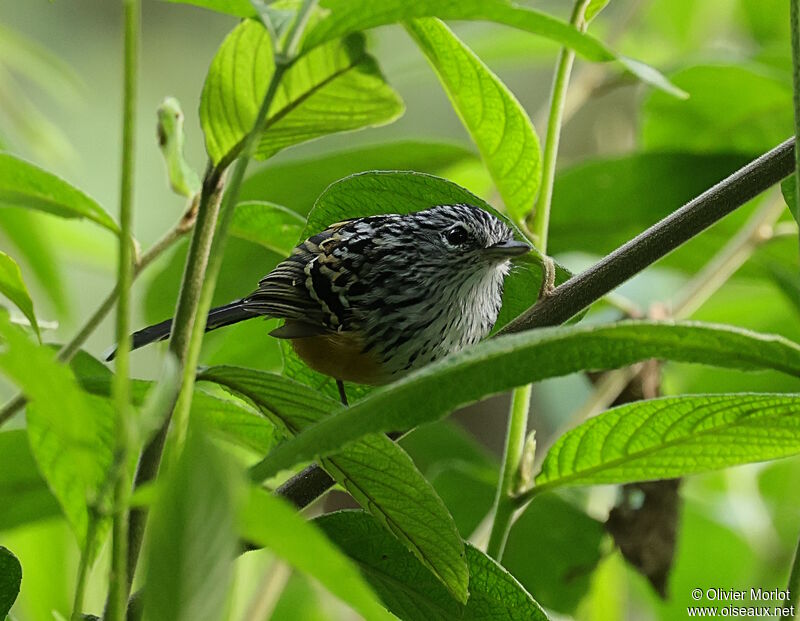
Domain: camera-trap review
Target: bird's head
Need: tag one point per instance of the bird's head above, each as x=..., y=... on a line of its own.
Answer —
x=464, y=237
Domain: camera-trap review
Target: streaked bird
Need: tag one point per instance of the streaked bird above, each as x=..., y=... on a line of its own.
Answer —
x=369, y=299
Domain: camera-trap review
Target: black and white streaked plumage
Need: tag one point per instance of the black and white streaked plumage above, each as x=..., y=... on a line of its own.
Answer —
x=369, y=299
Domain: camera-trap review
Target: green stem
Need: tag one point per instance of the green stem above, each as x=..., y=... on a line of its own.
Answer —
x=197, y=259
x=539, y=223
x=515, y=442
x=83, y=568
x=118, y=580
x=200, y=276
x=282, y=63
x=181, y=412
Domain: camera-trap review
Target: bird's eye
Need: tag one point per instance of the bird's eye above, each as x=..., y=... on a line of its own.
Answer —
x=456, y=235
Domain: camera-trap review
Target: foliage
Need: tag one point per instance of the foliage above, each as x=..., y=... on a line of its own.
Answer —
x=673, y=392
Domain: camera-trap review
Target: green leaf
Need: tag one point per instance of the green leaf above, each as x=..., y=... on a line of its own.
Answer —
x=653, y=77
x=182, y=178
x=40, y=66
x=230, y=420
x=335, y=88
x=376, y=472
x=381, y=192
x=24, y=185
x=461, y=471
x=13, y=287
x=193, y=539
x=10, y=580
x=411, y=592
x=789, y=191
x=289, y=183
x=71, y=436
x=23, y=492
x=730, y=109
x=270, y=225
x=237, y=8
x=672, y=437
x=788, y=281
x=24, y=230
x=270, y=522
x=406, y=504
x=594, y=8
x=234, y=422
x=552, y=550
x=512, y=360
x=494, y=118
x=301, y=600
x=346, y=16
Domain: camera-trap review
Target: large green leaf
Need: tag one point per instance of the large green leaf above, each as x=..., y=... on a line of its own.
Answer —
x=70, y=432
x=193, y=538
x=376, y=471
x=23, y=184
x=731, y=109
x=674, y=436
x=10, y=580
x=381, y=192
x=787, y=280
x=512, y=360
x=333, y=89
x=409, y=590
x=13, y=287
x=288, y=183
x=496, y=121
x=267, y=224
x=346, y=16
x=23, y=492
x=270, y=522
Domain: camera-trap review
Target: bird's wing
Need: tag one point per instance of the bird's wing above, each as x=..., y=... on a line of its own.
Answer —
x=306, y=287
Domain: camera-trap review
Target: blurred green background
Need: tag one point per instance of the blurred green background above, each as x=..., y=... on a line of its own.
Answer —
x=628, y=156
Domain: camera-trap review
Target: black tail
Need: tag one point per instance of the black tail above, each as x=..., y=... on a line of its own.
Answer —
x=217, y=318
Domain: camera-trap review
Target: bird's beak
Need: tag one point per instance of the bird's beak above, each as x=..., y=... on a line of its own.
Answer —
x=508, y=248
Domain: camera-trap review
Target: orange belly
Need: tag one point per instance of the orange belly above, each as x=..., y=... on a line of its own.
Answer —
x=340, y=356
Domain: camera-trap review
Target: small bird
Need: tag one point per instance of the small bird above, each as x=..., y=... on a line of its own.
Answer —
x=369, y=299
